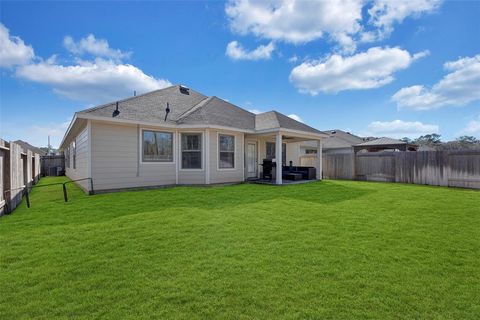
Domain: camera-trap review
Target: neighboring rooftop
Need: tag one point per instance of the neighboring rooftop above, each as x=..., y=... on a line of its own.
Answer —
x=345, y=136
x=382, y=141
x=28, y=146
x=385, y=143
x=337, y=139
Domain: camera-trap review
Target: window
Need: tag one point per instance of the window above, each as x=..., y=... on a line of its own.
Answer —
x=191, y=151
x=270, y=150
x=157, y=146
x=310, y=151
x=67, y=157
x=74, y=153
x=226, y=149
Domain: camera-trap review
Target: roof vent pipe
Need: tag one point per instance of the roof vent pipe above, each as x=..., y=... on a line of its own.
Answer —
x=167, y=111
x=115, y=112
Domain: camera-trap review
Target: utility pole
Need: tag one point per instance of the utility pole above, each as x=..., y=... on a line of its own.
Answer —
x=49, y=147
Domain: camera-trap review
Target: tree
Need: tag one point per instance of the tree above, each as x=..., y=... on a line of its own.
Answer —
x=407, y=140
x=428, y=139
x=467, y=140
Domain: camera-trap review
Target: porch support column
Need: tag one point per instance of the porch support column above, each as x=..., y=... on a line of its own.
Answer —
x=278, y=157
x=319, y=160
x=207, y=156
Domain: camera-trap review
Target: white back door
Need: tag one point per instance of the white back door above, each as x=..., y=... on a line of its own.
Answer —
x=252, y=165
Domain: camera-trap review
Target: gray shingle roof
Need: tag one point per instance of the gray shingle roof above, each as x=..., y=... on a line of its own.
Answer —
x=335, y=143
x=216, y=111
x=28, y=146
x=274, y=119
x=151, y=106
x=194, y=108
x=347, y=137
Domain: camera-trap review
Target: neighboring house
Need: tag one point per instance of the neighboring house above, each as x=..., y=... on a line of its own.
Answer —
x=176, y=136
x=385, y=144
x=338, y=141
x=28, y=146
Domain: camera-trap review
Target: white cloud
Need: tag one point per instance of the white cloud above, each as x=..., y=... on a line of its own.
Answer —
x=459, y=87
x=236, y=51
x=370, y=69
x=295, y=117
x=255, y=111
x=400, y=129
x=384, y=14
x=298, y=21
x=295, y=21
x=472, y=128
x=13, y=51
x=293, y=59
x=93, y=46
x=91, y=81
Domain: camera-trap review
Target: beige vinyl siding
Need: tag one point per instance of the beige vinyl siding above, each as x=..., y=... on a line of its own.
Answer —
x=116, y=155
x=191, y=177
x=81, y=168
x=226, y=175
x=293, y=153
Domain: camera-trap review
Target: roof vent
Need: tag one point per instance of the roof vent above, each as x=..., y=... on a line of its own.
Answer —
x=184, y=89
x=167, y=111
x=116, y=112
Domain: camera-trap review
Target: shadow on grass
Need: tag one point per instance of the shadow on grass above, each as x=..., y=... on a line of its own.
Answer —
x=49, y=203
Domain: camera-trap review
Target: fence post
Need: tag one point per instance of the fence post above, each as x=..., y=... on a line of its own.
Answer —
x=27, y=197
x=65, y=196
x=354, y=163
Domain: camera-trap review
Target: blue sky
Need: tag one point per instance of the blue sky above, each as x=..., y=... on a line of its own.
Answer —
x=369, y=67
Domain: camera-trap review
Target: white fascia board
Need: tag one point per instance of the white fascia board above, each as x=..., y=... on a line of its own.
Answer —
x=299, y=133
x=68, y=130
x=164, y=125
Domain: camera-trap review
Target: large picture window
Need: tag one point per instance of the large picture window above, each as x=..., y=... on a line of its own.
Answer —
x=191, y=151
x=270, y=151
x=157, y=146
x=226, y=148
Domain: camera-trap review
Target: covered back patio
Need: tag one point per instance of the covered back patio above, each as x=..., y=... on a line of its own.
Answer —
x=264, y=152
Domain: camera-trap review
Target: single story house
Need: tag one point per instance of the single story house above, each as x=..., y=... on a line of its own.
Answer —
x=177, y=136
x=385, y=144
x=338, y=141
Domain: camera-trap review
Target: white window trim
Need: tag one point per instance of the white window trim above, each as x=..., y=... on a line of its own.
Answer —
x=202, y=150
x=156, y=162
x=234, y=151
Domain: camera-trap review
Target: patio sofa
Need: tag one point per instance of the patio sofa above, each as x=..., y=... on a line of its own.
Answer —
x=308, y=173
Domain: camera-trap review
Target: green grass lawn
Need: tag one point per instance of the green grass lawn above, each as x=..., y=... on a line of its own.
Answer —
x=323, y=250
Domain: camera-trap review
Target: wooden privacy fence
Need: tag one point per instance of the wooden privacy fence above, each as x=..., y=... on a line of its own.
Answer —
x=19, y=168
x=439, y=168
x=51, y=163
